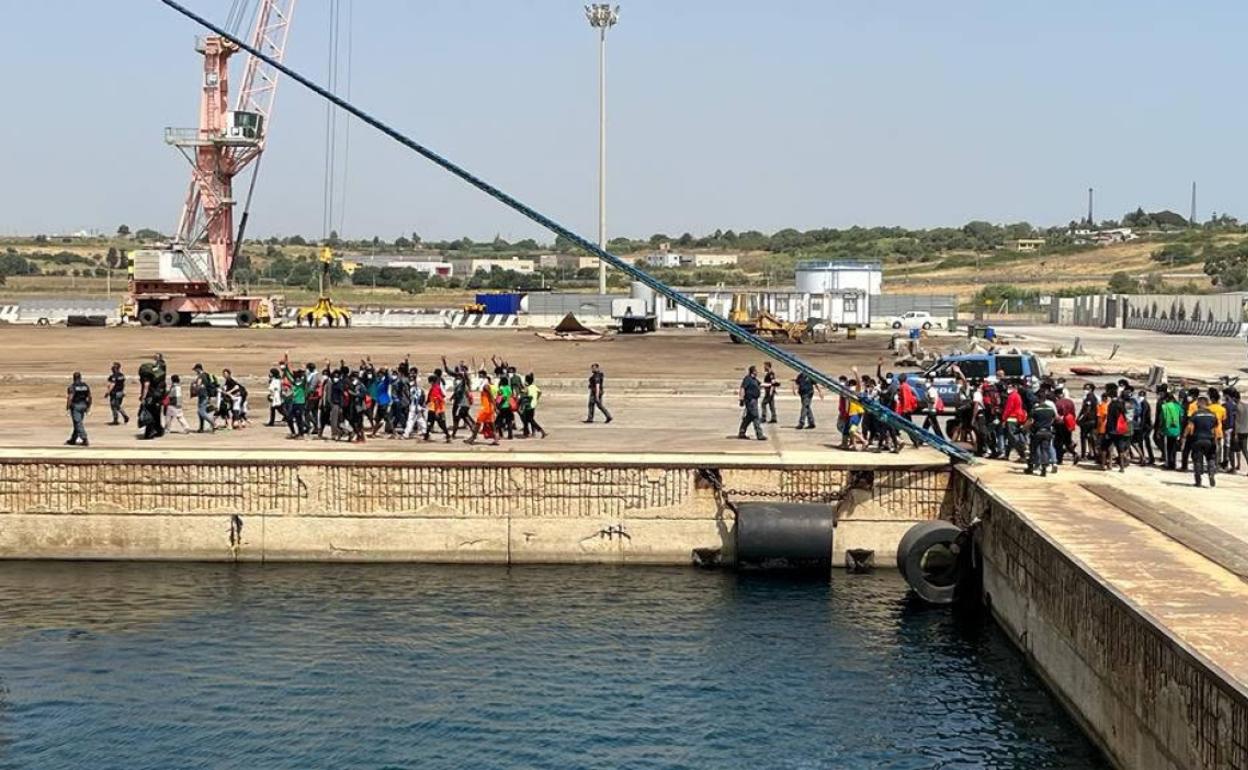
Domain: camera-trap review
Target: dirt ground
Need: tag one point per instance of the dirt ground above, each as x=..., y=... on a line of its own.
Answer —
x=669, y=391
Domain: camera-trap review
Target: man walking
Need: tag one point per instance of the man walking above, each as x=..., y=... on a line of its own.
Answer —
x=747, y=396
x=117, y=394
x=204, y=388
x=596, y=378
x=770, y=384
x=153, y=389
x=78, y=403
x=805, y=387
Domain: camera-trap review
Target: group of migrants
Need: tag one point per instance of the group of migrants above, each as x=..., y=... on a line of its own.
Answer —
x=347, y=403
x=1034, y=419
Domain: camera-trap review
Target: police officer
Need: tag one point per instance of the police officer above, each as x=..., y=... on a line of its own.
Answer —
x=78, y=403
x=117, y=394
x=596, y=378
x=770, y=384
x=1203, y=433
x=747, y=396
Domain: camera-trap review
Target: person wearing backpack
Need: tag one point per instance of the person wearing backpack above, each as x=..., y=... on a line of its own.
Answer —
x=204, y=388
x=1117, y=427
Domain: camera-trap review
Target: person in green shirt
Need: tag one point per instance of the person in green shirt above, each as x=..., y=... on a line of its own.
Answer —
x=1171, y=427
x=528, y=407
x=505, y=421
x=298, y=399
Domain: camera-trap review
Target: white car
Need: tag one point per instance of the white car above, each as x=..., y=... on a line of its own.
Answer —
x=915, y=319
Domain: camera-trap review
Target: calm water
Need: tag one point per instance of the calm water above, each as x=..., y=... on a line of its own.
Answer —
x=183, y=666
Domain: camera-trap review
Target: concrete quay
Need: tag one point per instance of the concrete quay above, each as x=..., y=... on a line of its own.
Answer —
x=1127, y=593
x=436, y=506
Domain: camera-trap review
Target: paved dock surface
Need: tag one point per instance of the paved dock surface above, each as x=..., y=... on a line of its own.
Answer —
x=1193, y=597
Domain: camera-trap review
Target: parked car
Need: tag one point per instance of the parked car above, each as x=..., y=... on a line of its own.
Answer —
x=914, y=319
x=975, y=367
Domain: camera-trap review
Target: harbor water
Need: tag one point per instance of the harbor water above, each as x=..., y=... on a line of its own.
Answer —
x=112, y=665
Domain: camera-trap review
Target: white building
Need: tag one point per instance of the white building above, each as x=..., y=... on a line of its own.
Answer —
x=571, y=262
x=818, y=276
x=428, y=267
x=661, y=259
x=708, y=260
x=467, y=267
x=842, y=308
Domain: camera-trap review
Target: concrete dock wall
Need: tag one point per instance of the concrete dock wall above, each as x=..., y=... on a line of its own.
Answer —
x=418, y=506
x=1149, y=699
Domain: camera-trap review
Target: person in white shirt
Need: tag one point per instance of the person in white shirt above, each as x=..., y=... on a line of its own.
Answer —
x=173, y=410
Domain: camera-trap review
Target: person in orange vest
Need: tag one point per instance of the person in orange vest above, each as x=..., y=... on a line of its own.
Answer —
x=485, y=413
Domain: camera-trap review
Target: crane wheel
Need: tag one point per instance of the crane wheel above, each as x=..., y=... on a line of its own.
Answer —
x=169, y=318
x=245, y=318
x=149, y=316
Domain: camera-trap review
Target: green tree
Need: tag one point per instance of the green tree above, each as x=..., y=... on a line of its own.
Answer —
x=148, y=234
x=1121, y=283
x=123, y=230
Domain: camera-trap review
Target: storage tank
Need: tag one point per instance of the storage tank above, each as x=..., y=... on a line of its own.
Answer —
x=820, y=276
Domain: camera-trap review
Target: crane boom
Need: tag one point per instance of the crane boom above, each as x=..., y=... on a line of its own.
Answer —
x=227, y=141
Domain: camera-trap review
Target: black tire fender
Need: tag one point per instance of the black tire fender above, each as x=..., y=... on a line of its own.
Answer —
x=929, y=558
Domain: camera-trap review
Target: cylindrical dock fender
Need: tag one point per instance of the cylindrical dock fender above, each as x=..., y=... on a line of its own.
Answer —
x=930, y=558
x=784, y=535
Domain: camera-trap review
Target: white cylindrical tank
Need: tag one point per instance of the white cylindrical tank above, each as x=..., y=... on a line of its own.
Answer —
x=820, y=276
x=638, y=290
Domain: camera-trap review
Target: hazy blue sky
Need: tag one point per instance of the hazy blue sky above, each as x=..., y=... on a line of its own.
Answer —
x=729, y=114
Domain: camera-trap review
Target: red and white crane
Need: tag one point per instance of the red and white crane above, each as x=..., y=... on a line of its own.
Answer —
x=192, y=276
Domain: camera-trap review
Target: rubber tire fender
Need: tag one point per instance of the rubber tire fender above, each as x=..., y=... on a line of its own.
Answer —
x=245, y=318
x=917, y=541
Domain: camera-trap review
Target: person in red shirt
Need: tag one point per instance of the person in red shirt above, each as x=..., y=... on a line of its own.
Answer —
x=435, y=401
x=1064, y=434
x=1013, y=416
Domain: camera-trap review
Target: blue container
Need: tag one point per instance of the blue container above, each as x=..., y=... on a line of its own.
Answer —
x=500, y=304
x=914, y=334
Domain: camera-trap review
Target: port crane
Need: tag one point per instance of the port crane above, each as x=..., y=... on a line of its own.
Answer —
x=192, y=275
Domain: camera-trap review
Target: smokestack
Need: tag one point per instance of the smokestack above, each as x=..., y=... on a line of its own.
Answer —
x=1192, y=219
x=1091, y=221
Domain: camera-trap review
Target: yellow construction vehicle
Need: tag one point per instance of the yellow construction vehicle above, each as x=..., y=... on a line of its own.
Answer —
x=324, y=312
x=766, y=324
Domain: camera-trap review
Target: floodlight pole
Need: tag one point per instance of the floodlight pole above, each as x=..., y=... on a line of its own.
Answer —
x=602, y=17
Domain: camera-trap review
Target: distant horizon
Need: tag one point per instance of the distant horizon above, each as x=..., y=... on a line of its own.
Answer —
x=807, y=116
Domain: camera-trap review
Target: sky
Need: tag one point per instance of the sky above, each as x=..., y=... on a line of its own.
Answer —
x=734, y=114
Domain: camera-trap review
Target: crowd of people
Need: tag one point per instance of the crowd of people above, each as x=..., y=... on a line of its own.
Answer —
x=338, y=402
x=1035, y=420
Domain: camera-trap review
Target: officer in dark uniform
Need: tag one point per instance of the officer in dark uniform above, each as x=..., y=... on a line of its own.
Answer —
x=78, y=403
x=596, y=380
x=152, y=379
x=748, y=395
x=117, y=394
x=1204, y=433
